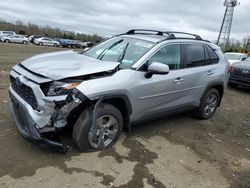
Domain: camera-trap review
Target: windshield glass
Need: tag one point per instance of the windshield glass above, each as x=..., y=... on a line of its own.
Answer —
x=120, y=49
x=248, y=47
x=233, y=57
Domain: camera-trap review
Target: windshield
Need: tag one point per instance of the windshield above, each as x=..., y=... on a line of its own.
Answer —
x=127, y=51
x=233, y=57
x=248, y=47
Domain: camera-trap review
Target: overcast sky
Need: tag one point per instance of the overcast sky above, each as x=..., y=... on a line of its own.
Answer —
x=106, y=17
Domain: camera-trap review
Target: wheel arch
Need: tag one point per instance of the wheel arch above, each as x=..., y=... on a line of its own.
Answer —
x=219, y=86
x=123, y=104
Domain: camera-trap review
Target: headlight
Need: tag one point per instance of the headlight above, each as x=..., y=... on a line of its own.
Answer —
x=61, y=88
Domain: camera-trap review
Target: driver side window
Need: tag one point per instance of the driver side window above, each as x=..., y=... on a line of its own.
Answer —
x=169, y=55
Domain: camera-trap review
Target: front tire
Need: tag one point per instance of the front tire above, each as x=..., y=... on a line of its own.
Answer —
x=7, y=41
x=40, y=44
x=109, y=127
x=209, y=104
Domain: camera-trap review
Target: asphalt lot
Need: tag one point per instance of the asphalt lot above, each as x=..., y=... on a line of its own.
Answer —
x=178, y=151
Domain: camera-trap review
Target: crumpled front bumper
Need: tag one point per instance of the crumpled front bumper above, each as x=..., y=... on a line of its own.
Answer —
x=27, y=127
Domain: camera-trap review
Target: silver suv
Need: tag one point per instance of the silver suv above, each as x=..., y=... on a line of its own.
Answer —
x=127, y=79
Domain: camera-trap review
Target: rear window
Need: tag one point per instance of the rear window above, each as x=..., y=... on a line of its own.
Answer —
x=248, y=47
x=9, y=33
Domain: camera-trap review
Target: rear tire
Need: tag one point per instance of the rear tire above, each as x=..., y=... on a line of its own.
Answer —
x=209, y=104
x=40, y=44
x=7, y=41
x=82, y=134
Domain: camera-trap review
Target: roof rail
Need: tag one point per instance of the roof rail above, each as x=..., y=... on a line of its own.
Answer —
x=143, y=31
x=170, y=34
x=197, y=37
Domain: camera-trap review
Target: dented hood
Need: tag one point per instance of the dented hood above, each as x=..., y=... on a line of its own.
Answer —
x=65, y=64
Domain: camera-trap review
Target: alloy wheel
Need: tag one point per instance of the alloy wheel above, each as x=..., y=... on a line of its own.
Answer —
x=211, y=104
x=107, y=129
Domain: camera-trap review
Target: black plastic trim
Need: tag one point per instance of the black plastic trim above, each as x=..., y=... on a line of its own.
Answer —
x=212, y=85
x=122, y=96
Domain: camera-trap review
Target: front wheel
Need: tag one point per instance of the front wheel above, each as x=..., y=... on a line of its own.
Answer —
x=209, y=104
x=7, y=41
x=108, y=129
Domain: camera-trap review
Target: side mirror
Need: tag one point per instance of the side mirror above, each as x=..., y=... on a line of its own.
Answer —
x=156, y=68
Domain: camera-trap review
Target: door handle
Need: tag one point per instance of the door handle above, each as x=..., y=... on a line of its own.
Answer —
x=209, y=73
x=178, y=80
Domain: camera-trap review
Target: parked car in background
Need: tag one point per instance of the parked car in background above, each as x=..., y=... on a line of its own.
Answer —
x=5, y=33
x=15, y=39
x=68, y=43
x=234, y=57
x=89, y=44
x=240, y=74
x=33, y=37
x=81, y=44
x=45, y=41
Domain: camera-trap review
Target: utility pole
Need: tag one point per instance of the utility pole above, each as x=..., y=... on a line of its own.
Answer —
x=225, y=30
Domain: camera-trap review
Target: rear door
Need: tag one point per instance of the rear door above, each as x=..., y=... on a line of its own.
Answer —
x=11, y=38
x=200, y=70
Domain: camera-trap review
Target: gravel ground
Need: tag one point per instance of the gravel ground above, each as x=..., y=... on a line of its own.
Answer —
x=178, y=151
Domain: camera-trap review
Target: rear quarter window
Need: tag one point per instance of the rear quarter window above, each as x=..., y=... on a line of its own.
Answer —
x=214, y=58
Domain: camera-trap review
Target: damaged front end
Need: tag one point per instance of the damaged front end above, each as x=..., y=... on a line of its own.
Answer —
x=44, y=98
x=41, y=113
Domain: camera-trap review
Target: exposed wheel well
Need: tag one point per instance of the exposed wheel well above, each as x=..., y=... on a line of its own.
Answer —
x=121, y=105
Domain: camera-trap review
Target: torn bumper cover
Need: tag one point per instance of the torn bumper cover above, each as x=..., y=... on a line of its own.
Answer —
x=28, y=128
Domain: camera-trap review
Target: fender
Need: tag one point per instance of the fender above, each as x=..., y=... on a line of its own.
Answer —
x=128, y=111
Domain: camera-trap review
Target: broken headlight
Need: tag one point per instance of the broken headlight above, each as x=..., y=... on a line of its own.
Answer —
x=61, y=88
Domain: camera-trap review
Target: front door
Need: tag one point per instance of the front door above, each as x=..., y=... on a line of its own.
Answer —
x=160, y=93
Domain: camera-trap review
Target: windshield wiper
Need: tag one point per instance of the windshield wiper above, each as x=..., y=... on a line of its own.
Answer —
x=121, y=57
x=108, y=48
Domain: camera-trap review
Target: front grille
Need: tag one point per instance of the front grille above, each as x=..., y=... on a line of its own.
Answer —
x=25, y=92
x=243, y=73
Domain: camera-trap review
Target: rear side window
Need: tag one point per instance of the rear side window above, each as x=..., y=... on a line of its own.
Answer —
x=195, y=55
x=9, y=33
x=213, y=57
